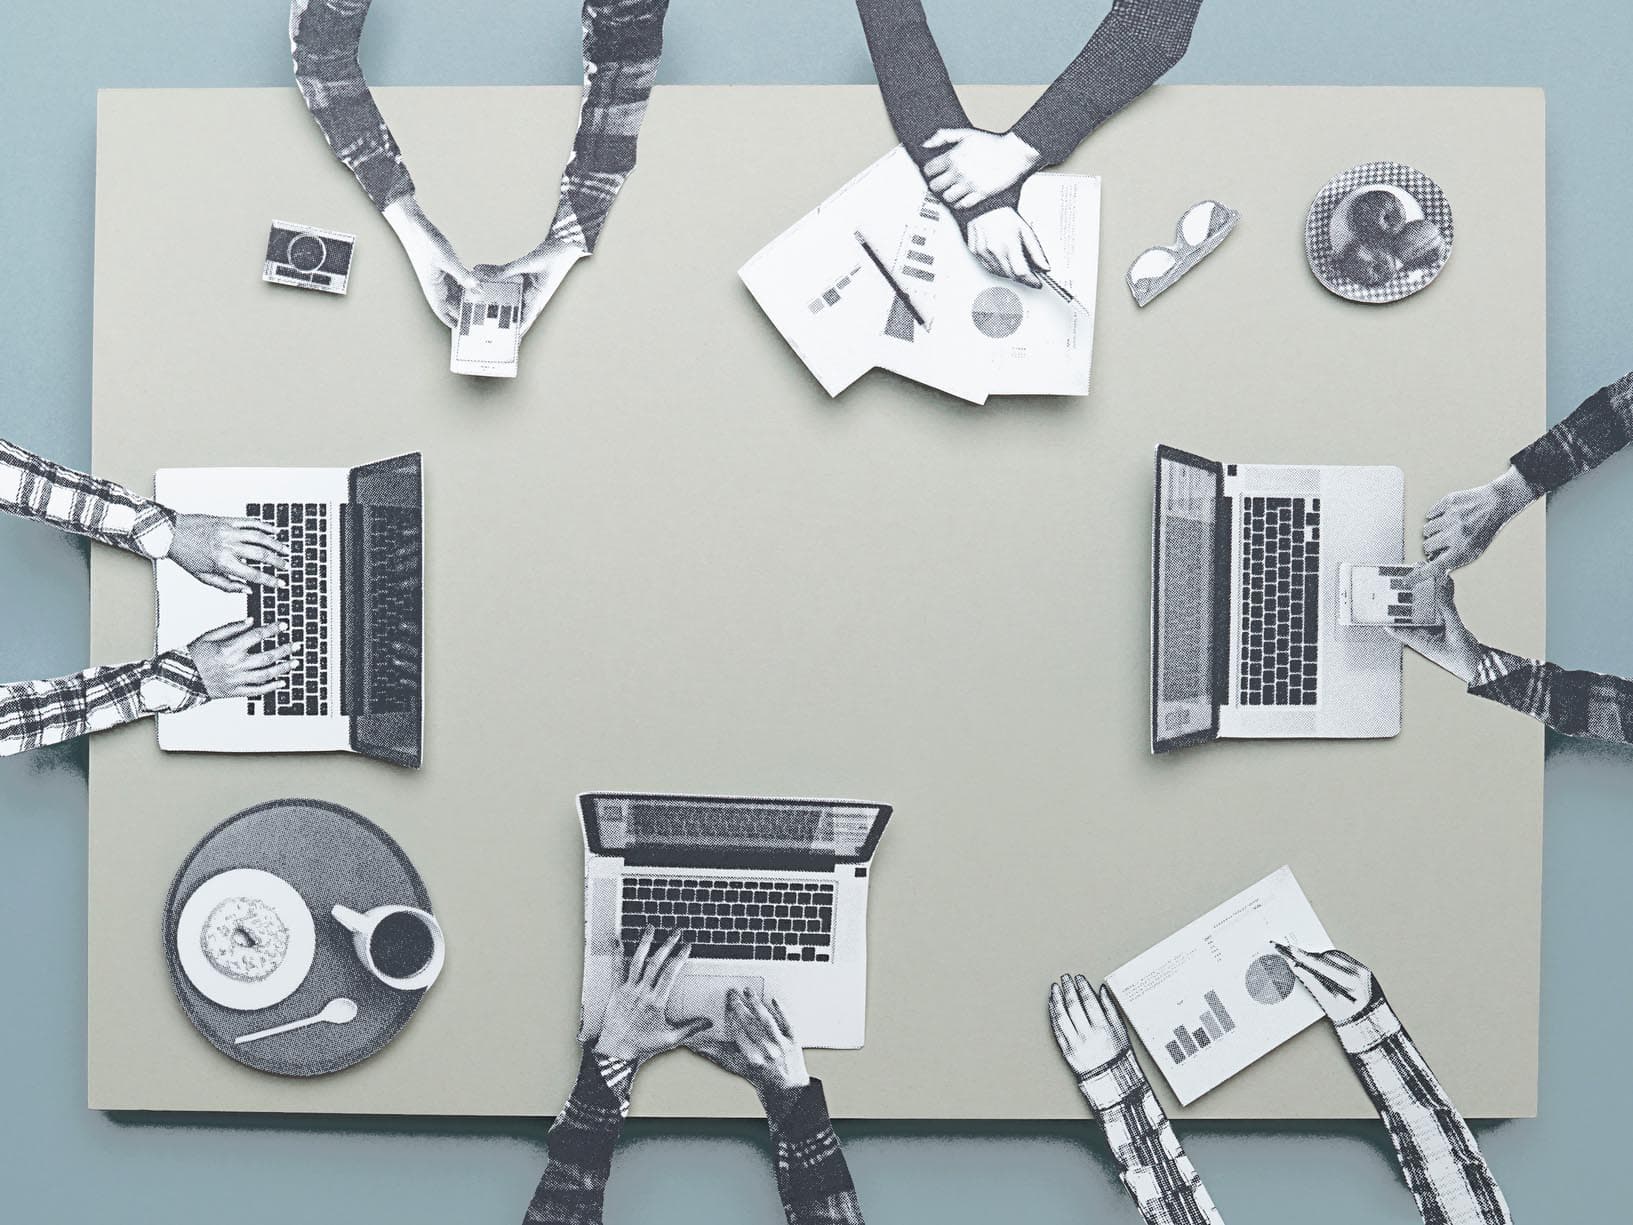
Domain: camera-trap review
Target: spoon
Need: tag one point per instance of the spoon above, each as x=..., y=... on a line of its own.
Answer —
x=335, y=1012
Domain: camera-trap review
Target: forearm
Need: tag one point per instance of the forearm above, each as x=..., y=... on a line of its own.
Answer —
x=38, y=713
x=623, y=45
x=1596, y=429
x=1575, y=703
x=1438, y=1157
x=1152, y=1165
x=37, y=488
x=324, y=36
x=918, y=94
x=581, y=1140
x=1137, y=43
x=812, y=1177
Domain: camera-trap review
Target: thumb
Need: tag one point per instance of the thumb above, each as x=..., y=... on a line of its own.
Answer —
x=231, y=630
x=942, y=137
x=1034, y=248
x=692, y=1028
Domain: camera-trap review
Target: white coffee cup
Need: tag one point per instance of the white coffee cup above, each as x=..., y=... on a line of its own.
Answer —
x=363, y=928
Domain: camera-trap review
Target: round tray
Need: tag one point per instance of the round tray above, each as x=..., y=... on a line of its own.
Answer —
x=328, y=854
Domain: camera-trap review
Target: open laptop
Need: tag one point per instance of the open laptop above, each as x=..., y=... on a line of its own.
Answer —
x=771, y=893
x=1245, y=640
x=353, y=604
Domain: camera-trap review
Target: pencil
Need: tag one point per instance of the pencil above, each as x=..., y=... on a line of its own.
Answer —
x=1060, y=289
x=894, y=284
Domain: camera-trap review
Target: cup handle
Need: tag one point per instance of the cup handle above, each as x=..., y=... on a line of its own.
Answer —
x=349, y=918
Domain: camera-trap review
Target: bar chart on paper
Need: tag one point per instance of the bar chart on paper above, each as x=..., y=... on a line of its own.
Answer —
x=1216, y=1023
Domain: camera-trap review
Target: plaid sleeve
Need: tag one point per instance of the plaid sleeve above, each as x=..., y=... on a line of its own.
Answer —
x=623, y=42
x=581, y=1144
x=1138, y=42
x=1155, y=1169
x=36, y=713
x=36, y=488
x=1444, y=1169
x=1599, y=427
x=1576, y=703
x=812, y=1177
x=323, y=39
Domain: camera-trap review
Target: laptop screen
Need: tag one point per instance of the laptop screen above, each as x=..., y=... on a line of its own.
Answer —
x=1185, y=519
x=725, y=830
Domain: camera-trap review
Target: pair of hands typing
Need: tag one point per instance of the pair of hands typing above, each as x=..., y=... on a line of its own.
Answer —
x=1090, y=1032
x=757, y=1045
x=443, y=277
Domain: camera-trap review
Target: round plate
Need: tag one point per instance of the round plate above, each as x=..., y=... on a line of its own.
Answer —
x=1328, y=233
x=327, y=854
x=231, y=992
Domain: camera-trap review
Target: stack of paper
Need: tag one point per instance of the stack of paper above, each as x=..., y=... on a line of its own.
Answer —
x=981, y=334
x=1215, y=996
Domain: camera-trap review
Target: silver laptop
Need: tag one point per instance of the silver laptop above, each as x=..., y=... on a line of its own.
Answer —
x=772, y=895
x=1245, y=640
x=353, y=603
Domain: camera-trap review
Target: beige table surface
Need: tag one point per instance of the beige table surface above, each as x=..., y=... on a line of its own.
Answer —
x=663, y=559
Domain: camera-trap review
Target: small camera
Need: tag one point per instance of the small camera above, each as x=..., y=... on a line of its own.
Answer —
x=307, y=257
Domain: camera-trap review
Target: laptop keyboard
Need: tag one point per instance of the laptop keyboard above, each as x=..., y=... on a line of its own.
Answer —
x=749, y=920
x=303, y=605
x=1281, y=610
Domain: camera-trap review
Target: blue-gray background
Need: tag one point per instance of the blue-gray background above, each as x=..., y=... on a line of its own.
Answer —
x=61, y=1162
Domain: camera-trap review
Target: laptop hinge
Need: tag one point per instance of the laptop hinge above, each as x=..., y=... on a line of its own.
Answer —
x=1223, y=599
x=698, y=857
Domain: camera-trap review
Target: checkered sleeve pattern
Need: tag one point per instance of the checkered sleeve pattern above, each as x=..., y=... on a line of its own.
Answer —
x=1154, y=1167
x=582, y=1138
x=812, y=1177
x=324, y=36
x=36, y=488
x=623, y=42
x=1599, y=427
x=1444, y=1169
x=1575, y=703
x=36, y=713
x=1136, y=43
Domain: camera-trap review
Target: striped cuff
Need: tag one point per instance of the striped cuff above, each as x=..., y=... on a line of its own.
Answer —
x=1372, y=1026
x=173, y=683
x=618, y=1075
x=1113, y=1082
x=153, y=531
x=1493, y=666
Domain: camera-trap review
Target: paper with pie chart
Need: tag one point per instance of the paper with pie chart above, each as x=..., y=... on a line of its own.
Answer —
x=1216, y=996
x=931, y=313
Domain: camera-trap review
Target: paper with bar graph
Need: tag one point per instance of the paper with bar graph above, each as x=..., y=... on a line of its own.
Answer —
x=1216, y=996
x=927, y=310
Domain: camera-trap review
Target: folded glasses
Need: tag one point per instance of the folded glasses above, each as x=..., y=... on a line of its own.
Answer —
x=1202, y=228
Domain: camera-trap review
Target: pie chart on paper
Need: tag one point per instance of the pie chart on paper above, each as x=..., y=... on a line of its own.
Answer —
x=997, y=312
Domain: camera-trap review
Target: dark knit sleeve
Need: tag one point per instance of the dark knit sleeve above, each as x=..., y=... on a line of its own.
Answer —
x=1599, y=427
x=1138, y=42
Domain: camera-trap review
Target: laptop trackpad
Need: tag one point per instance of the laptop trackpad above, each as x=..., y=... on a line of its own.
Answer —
x=704, y=995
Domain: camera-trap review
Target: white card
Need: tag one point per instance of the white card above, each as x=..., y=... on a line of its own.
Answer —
x=1216, y=996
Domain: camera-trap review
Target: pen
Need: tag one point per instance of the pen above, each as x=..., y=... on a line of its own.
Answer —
x=894, y=284
x=1060, y=289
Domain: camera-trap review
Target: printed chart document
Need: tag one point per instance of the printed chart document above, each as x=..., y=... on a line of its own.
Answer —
x=1215, y=996
x=953, y=325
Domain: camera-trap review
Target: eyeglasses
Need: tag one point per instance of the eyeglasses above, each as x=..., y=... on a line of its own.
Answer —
x=1202, y=228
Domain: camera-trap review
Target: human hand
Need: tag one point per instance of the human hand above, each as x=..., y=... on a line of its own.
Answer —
x=976, y=165
x=1341, y=985
x=1006, y=246
x=636, y=1024
x=758, y=1045
x=230, y=666
x=227, y=553
x=1088, y=1028
x=1450, y=645
x=542, y=270
x=1458, y=528
x=443, y=278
